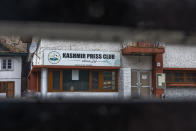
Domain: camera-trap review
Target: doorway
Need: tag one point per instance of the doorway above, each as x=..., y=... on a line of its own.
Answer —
x=141, y=83
x=7, y=88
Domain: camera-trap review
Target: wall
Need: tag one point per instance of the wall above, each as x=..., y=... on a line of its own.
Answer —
x=72, y=45
x=134, y=62
x=179, y=56
x=180, y=93
x=13, y=75
x=125, y=82
x=137, y=62
x=100, y=95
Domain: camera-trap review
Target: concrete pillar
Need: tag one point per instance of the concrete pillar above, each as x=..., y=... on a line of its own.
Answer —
x=44, y=82
x=125, y=80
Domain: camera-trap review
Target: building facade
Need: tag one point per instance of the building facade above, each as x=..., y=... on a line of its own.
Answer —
x=96, y=69
x=12, y=59
x=112, y=70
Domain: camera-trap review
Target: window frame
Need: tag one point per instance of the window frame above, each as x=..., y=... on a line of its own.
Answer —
x=100, y=81
x=185, y=83
x=7, y=69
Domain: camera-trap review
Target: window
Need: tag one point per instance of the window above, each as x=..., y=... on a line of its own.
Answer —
x=84, y=80
x=109, y=80
x=191, y=77
x=56, y=80
x=181, y=78
x=3, y=86
x=7, y=64
x=70, y=84
x=95, y=80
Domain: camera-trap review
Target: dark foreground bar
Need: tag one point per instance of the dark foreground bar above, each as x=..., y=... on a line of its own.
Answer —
x=98, y=116
x=150, y=14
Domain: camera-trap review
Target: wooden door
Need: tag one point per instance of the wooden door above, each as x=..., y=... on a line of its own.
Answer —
x=10, y=89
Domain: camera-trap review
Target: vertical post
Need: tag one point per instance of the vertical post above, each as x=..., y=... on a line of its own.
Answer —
x=125, y=78
x=44, y=82
x=157, y=68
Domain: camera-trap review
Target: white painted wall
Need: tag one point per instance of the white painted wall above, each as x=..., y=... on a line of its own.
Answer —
x=87, y=95
x=180, y=93
x=179, y=56
x=72, y=45
x=80, y=95
x=125, y=82
x=13, y=75
x=137, y=62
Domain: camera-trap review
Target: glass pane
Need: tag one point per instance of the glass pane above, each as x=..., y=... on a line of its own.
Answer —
x=56, y=80
x=113, y=85
x=168, y=77
x=191, y=79
x=83, y=83
x=134, y=78
x=9, y=67
x=95, y=80
x=194, y=79
x=109, y=80
x=145, y=78
x=107, y=86
x=67, y=80
x=113, y=75
x=191, y=74
x=80, y=85
x=194, y=74
x=4, y=64
x=4, y=87
x=107, y=75
x=179, y=77
x=75, y=75
x=1, y=88
x=179, y=74
x=9, y=61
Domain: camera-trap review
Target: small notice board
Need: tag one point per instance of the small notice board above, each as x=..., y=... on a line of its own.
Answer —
x=160, y=81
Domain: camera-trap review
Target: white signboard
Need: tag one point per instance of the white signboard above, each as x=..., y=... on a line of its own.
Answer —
x=81, y=58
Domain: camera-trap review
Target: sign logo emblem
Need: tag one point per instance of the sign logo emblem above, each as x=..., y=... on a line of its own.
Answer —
x=54, y=57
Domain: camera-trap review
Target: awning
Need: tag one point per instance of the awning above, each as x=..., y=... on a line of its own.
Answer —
x=142, y=50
